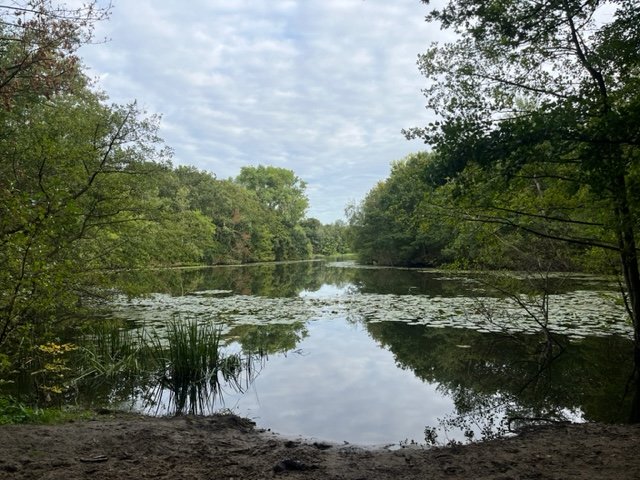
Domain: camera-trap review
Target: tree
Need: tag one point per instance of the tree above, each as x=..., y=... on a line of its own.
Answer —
x=39, y=44
x=74, y=183
x=279, y=190
x=282, y=196
x=330, y=239
x=390, y=227
x=313, y=231
x=76, y=174
x=546, y=92
x=243, y=226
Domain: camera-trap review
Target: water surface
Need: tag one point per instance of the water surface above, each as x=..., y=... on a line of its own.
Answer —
x=378, y=355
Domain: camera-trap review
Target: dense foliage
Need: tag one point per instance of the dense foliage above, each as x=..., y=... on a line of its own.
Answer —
x=536, y=153
x=389, y=226
x=87, y=187
x=537, y=142
x=539, y=131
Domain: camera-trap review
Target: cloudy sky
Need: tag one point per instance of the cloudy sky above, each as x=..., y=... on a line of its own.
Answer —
x=321, y=87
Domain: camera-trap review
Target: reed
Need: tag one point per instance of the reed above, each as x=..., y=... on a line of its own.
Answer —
x=194, y=368
x=193, y=352
x=110, y=351
x=187, y=361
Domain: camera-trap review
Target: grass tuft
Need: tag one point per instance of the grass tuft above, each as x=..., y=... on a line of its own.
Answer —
x=194, y=367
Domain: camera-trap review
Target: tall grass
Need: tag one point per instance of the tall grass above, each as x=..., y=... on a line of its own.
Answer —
x=193, y=352
x=109, y=351
x=112, y=365
x=187, y=362
x=194, y=368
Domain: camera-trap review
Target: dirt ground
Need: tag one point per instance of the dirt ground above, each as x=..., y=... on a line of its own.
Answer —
x=119, y=446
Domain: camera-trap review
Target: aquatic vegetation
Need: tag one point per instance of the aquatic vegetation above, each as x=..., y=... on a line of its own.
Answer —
x=193, y=368
x=185, y=359
x=576, y=314
x=110, y=350
x=466, y=358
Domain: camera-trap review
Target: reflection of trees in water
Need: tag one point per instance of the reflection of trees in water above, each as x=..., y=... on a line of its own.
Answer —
x=482, y=373
x=489, y=376
x=401, y=281
x=268, y=339
x=268, y=280
x=172, y=281
x=404, y=282
x=288, y=279
x=187, y=369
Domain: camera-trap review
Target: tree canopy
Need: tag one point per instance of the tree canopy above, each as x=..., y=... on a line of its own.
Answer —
x=535, y=157
x=87, y=187
x=389, y=228
x=538, y=104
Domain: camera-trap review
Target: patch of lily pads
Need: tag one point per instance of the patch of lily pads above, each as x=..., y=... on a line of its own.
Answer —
x=577, y=314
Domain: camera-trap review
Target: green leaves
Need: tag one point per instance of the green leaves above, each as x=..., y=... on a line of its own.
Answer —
x=281, y=195
x=389, y=225
x=535, y=142
x=278, y=189
x=74, y=184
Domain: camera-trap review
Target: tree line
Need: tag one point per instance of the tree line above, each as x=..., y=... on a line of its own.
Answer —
x=87, y=187
x=535, y=156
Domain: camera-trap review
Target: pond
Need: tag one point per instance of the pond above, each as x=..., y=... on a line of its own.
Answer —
x=387, y=356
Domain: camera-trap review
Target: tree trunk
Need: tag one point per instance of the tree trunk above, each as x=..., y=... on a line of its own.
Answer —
x=629, y=260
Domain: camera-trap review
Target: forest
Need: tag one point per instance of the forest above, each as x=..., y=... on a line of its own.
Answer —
x=87, y=187
x=533, y=165
x=534, y=162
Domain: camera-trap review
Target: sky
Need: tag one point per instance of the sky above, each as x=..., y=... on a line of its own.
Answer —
x=320, y=87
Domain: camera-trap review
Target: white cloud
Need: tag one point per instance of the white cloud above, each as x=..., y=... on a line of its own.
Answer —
x=321, y=87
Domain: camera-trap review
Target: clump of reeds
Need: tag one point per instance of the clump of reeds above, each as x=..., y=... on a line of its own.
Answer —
x=188, y=361
x=194, y=367
x=193, y=351
x=109, y=351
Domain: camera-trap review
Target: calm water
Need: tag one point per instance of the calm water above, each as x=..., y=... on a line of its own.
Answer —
x=376, y=355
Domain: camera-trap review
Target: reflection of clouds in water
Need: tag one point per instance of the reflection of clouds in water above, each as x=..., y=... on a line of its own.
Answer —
x=341, y=383
x=338, y=384
x=343, y=388
x=327, y=291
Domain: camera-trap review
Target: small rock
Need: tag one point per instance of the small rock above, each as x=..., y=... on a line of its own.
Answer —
x=292, y=465
x=321, y=445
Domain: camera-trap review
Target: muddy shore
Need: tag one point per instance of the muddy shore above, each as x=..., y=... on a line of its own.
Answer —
x=121, y=446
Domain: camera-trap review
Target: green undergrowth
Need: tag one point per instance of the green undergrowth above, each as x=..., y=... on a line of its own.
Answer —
x=186, y=366
x=13, y=412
